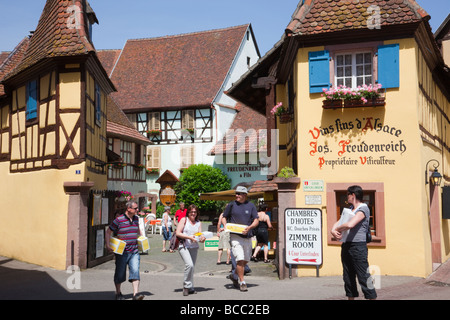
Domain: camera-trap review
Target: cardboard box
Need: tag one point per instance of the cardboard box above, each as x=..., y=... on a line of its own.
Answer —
x=235, y=228
x=212, y=244
x=117, y=245
x=143, y=244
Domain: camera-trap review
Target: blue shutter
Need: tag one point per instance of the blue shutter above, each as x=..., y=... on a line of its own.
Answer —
x=31, y=112
x=319, y=71
x=389, y=65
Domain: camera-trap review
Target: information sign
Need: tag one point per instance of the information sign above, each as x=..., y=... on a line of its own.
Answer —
x=303, y=236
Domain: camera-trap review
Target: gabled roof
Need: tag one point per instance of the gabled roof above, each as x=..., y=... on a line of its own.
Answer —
x=323, y=16
x=58, y=33
x=176, y=72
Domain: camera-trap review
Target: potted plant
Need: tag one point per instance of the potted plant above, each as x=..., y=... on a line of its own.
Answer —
x=286, y=179
x=372, y=95
x=119, y=165
x=190, y=130
x=280, y=111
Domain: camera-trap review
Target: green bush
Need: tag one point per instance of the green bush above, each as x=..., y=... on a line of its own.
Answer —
x=201, y=178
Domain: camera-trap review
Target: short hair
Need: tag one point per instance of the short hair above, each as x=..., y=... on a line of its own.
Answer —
x=262, y=207
x=130, y=204
x=357, y=191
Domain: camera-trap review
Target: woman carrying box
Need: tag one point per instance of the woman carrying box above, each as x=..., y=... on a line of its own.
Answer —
x=188, y=248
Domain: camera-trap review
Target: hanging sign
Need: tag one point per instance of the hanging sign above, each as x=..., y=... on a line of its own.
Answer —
x=303, y=236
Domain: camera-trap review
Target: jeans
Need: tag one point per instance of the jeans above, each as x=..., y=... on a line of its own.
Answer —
x=166, y=233
x=133, y=260
x=355, y=265
x=189, y=256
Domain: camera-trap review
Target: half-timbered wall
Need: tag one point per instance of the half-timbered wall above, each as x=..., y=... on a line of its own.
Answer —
x=33, y=141
x=4, y=133
x=434, y=111
x=96, y=141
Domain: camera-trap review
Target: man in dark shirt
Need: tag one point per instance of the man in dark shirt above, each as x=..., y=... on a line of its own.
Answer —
x=241, y=212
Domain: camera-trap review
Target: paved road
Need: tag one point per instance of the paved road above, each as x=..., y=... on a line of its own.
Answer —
x=162, y=277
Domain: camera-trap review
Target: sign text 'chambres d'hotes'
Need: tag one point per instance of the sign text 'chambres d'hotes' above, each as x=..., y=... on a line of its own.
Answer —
x=303, y=236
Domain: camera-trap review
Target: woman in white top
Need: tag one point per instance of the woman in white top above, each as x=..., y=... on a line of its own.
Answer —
x=166, y=224
x=188, y=248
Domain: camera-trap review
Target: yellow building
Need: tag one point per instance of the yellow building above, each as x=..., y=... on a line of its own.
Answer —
x=385, y=146
x=53, y=137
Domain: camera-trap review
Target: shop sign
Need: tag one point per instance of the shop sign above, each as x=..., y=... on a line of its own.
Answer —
x=347, y=152
x=313, y=186
x=303, y=230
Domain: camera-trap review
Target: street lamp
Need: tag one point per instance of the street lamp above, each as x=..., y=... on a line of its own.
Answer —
x=435, y=177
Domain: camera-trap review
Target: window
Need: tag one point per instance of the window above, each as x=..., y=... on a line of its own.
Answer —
x=31, y=96
x=153, y=158
x=353, y=70
x=354, y=65
x=187, y=157
x=373, y=197
x=188, y=119
x=142, y=123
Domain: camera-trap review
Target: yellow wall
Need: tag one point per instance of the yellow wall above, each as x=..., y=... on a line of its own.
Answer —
x=34, y=215
x=406, y=211
x=34, y=219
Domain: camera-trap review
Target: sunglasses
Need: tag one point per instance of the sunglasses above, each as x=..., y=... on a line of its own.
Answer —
x=137, y=208
x=240, y=194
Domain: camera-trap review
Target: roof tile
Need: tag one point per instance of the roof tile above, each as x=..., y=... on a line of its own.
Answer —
x=338, y=15
x=175, y=71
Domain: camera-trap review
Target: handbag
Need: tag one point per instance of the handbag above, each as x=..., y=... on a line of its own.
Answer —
x=368, y=236
x=175, y=242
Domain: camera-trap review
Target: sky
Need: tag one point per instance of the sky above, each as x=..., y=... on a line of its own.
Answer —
x=122, y=20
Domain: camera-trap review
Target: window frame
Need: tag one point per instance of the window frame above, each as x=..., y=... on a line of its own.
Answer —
x=354, y=65
x=354, y=48
x=379, y=239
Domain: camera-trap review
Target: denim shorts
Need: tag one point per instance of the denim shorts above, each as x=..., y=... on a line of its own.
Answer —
x=133, y=260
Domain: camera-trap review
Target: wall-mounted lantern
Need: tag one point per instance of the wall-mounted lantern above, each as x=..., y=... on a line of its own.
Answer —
x=435, y=177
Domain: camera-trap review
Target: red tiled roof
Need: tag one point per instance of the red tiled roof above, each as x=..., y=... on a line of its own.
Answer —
x=57, y=34
x=118, y=124
x=12, y=60
x=248, y=124
x=175, y=71
x=322, y=16
x=108, y=58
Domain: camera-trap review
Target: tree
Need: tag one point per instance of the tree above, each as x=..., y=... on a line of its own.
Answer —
x=201, y=178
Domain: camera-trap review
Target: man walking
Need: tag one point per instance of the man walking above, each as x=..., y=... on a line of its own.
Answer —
x=243, y=212
x=126, y=228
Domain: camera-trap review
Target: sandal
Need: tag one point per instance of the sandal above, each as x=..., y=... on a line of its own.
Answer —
x=164, y=250
x=266, y=261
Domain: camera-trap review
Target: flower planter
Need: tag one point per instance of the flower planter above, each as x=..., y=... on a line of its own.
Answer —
x=375, y=102
x=285, y=117
x=332, y=104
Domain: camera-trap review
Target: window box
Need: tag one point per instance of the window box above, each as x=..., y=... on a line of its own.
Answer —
x=285, y=117
x=332, y=104
x=153, y=171
x=357, y=103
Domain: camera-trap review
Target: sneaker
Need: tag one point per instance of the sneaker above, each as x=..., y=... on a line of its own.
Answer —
x=185, y=292
x=119, y=296
x=138, y=297
x=243, y=287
